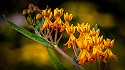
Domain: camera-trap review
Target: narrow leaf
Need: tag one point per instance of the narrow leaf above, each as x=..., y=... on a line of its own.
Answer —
x=55, y=61
x=29, y=34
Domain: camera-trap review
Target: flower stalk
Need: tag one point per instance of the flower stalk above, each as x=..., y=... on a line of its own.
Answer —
x=68, y=58
x=98, y=62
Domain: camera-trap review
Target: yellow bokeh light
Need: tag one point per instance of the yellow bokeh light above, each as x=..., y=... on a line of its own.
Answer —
x=35, y=53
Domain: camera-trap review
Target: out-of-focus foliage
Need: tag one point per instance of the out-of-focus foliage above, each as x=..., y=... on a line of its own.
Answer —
x=85, y=12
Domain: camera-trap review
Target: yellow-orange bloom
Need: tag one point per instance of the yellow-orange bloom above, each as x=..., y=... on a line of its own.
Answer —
x=58, y=13
x=108, y=43
x=83, y=61
x=83, y=57
x=79, y=44
x=71, y=41
x=47, y=13
x=109, y=55
x=57, y=23
x=46, y=24
x=94, y=32
x=98, y=49
x=62, y=28
x=68, y=17
x=70, y=29
x=83, y=28
x=96, y=40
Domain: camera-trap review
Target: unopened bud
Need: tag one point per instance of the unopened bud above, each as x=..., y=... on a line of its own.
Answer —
x=38, y=16
x=30, y=6
x=25, y=12
x=30, y=11
x=36, y=9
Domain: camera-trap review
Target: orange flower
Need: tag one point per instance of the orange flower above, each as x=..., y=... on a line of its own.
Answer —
x=83, y=57
x=98, y=49
x=71, y=41
x=62, y=28
x=47, y=13
x=108, y=43
x=57, y=23
x=58, y=13
x=83, y=61
x=83, y=28
x=109, y=55
x=47, y=23
x=68, y=17
x=94, y=32
x=70, y=29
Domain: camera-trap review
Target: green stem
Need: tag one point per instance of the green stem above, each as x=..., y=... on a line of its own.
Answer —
x=36, y=32
x=68, y=58
x=62, y=53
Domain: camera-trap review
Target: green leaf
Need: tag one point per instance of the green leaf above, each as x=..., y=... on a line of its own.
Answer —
x=29, y=34
x=55, y=61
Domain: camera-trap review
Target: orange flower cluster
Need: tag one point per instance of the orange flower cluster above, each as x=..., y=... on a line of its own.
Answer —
x=52, y=21
x=56, y=18
x=91, y=45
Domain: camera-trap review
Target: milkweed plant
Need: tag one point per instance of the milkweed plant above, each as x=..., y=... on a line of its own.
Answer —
x=49, y=26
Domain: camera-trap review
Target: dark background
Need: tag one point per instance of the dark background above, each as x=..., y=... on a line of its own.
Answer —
x=18, y=52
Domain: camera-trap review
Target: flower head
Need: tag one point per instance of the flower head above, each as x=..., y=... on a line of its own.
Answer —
x=83, y=28
x=47, y=13
x=71, y=41
x=58, y=13
x=70, y=29
x=68, y=17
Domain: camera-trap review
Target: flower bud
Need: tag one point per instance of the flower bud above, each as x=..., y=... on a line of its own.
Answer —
x=30, y=11
x=38, y=16
x=36, y=9
x=30, y=6
x=25, y=12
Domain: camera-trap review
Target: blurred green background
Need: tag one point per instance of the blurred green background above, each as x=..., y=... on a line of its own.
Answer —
x=18, y=52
